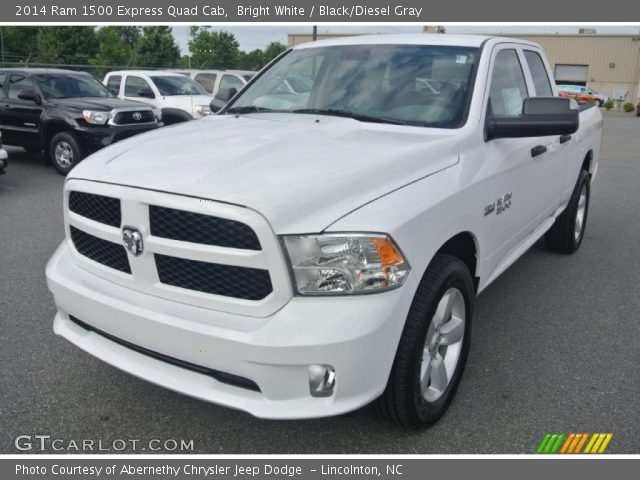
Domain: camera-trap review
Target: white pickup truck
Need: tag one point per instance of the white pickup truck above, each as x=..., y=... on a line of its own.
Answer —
x=174, y=97
x=304, y=253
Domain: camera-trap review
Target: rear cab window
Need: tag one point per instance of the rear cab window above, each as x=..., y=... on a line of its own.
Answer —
x=207, y=80
x=17, y=83
x=539, y=74
x=230, y=81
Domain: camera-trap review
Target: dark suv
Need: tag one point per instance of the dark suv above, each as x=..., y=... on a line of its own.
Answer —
x=65, y=113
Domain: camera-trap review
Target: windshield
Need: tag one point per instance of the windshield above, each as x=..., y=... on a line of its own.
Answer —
x=178, y=85
x=71, y=86
x=423, y=85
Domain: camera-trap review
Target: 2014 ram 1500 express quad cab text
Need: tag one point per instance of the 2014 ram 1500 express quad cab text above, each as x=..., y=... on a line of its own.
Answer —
x=306, y=252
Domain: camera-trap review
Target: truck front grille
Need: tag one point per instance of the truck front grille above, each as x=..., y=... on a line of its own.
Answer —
x=198, y=228
x=134, y=117
x=102, y=251
x=96, y=207
x=195, y=251
x=225, y=280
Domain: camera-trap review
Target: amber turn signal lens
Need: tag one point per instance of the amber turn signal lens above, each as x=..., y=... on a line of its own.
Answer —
x=389, y=255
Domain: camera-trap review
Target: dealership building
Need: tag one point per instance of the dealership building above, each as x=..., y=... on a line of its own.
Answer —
x=609, y=64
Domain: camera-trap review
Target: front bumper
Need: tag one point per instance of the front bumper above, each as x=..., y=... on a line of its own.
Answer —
x=96, y=137
x=4, y=159
x=356, y=335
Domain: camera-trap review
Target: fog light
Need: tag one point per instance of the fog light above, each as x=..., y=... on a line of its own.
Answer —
x=322, y=379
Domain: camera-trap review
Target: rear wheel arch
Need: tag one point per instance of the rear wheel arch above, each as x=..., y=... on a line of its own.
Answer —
x=587, y=163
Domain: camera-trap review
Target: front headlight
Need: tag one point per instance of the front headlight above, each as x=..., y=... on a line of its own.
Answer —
x=202, y=110
x=96, y=117
x=344, y=264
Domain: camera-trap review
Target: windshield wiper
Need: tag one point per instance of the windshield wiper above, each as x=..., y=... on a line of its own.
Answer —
x=336, y=112
x=248, y=109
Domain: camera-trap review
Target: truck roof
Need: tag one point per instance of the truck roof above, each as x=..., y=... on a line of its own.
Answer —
x=149, y=73
x=40, y=71
x=412, y=39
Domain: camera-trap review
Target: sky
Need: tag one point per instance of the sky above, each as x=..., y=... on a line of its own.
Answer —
x=252, y=37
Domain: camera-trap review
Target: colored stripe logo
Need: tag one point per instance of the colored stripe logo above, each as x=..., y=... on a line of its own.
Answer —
x=564, y=443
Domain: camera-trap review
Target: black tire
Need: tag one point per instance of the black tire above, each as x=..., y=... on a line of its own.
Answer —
x=67, y=142
x=562, y=236
x=403, y=401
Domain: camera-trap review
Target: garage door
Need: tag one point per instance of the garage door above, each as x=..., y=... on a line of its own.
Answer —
x=571, y=73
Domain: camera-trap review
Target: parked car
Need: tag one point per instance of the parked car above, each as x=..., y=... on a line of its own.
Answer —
x=303, y=262
x=222, y=84
x=175, y=97
x=582, y=94
x=216, y=80
x=65, y=113
x=4, y=157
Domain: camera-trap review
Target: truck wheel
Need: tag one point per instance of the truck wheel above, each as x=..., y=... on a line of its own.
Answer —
x=565, y=236
x=434, y=346
x=65, y=152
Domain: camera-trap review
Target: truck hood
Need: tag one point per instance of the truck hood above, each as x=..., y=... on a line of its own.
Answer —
x=302, y=172
x=96, y=103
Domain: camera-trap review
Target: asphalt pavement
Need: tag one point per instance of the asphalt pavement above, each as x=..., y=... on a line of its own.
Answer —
x=556, y=346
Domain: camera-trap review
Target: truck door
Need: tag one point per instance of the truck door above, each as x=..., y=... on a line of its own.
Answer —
x=512, y=188
x=21, y=118
x=137, y=88
x=553, y=164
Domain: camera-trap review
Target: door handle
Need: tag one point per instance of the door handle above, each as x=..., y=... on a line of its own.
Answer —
x=538, y=150
x=565, y=138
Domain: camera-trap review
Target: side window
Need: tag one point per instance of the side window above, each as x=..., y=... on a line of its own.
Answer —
x=3, y=77
x=539, y=74
x=17, y=83
x=231, y=81
x=133, y=85
x=113, y=84
x=508, y=86
x=207, y=80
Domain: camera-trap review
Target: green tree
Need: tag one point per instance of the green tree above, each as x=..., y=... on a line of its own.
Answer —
x=19, y=43
x=272, y=51
x=157, y=48
x=253, y=60
x=117, y=46
x=211, y=49
x=66, y=44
